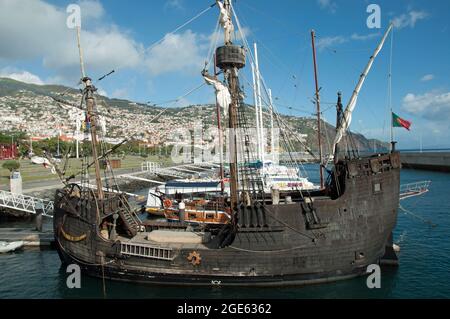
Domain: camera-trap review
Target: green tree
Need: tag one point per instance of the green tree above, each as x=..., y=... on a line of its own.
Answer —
x=11, y=166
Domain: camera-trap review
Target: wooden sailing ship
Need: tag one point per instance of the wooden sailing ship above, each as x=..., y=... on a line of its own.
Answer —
x=293, y=237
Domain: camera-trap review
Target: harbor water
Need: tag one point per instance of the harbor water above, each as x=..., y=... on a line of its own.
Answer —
x=422, y=233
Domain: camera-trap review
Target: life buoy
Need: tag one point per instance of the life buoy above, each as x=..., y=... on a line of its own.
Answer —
x=194, y=258
x=167, y=203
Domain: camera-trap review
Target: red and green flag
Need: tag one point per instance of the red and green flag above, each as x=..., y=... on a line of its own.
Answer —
x=397, y=121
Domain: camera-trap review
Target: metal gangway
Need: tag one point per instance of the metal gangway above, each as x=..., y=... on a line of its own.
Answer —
x=27, y=204
x=414, y=189
x=178, y=171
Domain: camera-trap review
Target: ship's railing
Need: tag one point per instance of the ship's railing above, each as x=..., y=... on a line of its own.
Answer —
x=414, y=189
x=150, y=167
x=27, y=204
x=146, y=251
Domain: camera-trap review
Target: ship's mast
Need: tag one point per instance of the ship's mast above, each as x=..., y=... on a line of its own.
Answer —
x=347, y=115
x=88, y=95
x=91, y=112
x=219, y=128
x=230, y=58
x=260, y=114
x=319, y=138
x=272, y=137
x=255, y=100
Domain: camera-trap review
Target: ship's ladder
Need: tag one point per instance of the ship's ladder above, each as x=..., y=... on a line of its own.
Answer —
x=130, y=220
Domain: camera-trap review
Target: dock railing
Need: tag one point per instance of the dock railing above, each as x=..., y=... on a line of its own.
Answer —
x=27, y=204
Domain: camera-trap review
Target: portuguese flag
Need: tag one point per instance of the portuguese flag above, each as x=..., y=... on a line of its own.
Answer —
x=397, y=121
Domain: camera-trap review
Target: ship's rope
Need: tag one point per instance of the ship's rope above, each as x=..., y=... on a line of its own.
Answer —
x=244, y=40
x=182, y=25
x=79, y=260
x=103, y=279
x=287, y=225
x=280, y=123
x=427, y=221
x=213, y=44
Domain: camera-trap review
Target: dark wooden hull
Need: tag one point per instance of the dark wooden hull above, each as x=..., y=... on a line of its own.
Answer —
x=279, y=248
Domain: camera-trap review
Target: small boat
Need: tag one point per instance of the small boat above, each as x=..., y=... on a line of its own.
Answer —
x=197, y=212
x=6, y=247
x=180, y=187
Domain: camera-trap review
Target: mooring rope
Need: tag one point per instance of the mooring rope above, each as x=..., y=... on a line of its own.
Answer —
x=427, y=221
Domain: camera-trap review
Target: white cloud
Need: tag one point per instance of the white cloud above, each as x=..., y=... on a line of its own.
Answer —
x=91, y=9
x=327, y=42
x=103, y=49
x=23, y=76
x=431, y=105
x=328, y=5
x=176, y=53
x=102, y=92
x=427, y=77
x=35, y=29
x=409, y=19
x=174, y=4
x=333, y=41
x=358, y=37
x=120, y=93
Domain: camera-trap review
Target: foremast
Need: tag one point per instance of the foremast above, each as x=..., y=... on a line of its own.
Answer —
x=91, y=110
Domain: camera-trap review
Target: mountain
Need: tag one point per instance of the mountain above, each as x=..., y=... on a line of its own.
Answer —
x=31, y=108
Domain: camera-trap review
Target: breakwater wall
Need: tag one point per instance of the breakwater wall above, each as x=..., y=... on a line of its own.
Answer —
x=435, y=161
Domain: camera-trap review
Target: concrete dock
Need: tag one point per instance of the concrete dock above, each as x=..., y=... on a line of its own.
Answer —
x=30, y=237
x=434, y=161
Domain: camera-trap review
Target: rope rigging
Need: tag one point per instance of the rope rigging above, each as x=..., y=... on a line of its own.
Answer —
x=182, y=26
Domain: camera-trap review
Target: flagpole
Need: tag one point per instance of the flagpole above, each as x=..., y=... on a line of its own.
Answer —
x=390, y=93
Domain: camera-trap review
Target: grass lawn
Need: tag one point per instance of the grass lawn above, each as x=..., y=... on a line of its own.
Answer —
x=32, y=172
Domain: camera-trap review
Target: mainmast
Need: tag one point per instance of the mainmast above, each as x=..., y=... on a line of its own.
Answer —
x=219, y=128
x=319, y=136
x=230, y=58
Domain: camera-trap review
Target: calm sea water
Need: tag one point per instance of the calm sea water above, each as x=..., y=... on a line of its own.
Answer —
x=424, y=270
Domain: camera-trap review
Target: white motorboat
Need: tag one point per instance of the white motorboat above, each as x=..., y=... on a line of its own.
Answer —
x=6, y=247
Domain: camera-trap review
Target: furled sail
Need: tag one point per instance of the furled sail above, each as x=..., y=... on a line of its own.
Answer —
x=222, y=93
x=225, y=22
x=347, y=117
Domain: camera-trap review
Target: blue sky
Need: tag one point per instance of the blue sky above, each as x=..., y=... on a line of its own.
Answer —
x=37, y=47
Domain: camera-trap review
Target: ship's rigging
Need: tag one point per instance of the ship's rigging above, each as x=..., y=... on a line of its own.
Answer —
x=296, y=236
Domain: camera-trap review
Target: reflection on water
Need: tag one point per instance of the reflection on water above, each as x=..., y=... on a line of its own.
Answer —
x=423, y=271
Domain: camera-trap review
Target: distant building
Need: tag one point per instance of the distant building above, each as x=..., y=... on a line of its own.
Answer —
x=8, y=151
